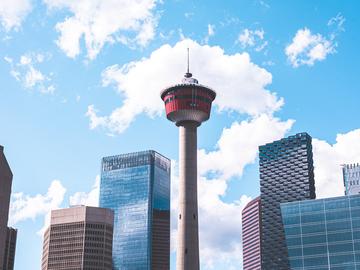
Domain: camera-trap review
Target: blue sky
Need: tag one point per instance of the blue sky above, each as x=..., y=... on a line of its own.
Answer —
x=81, y=80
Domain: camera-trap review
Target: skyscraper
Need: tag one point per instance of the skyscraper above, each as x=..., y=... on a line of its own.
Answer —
x=10, y=248
x=137, y=187
x=351, y=174
x=79, y=238
x=323, y=234
x=286, y=175
x=188, y=104
x=5, y=191
x=251, y=235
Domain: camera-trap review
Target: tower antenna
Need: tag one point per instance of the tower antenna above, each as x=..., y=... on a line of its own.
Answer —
x=188, y=61
x=188, y=74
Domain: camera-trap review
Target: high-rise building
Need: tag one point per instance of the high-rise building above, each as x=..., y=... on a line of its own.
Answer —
x=188, y=104
x=351, y=174
x=136, y=187
x=251, y=235
x=10, y=248
x=323, y=234
x=79, y=238
x=5, y=191
x=286, y=175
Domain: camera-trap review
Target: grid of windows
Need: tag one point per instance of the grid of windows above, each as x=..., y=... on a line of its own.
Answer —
x=351, y=174
x=136, y=187
x=286, y=174
x=323, y=234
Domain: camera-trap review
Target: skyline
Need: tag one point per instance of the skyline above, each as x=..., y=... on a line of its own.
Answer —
x=67, y=100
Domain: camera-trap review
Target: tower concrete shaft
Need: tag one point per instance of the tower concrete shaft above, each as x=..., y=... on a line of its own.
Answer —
x=188, y=231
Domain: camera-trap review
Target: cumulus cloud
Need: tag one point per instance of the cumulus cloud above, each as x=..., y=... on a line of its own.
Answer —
x=328, y=160
x=88, y=199
x=100, y=22
x=307, y=48
x=245, y=138
x=23, y=207
x=13, y=12
x=225, y=247
x=253, y=38
x=139, y=83
x=27, y=72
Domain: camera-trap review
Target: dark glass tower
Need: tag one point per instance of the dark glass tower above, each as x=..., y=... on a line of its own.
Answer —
x=137, y=187
x=10, y=248
x=5, y=191
x=286, y=175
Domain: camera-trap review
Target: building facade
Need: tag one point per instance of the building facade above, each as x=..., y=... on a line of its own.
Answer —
x=323, y=234
x=5, y=191
x=351, y=174
x=10, y=248
x=286, y=174
x=79, y=238
x=251, y=235
x=136, y=187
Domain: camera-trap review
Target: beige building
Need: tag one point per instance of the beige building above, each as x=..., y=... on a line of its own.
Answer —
x=79, y=238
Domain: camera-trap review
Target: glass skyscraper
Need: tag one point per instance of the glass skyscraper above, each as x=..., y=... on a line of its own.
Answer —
x=323, y=234
x=137, y=187
x=286, y=174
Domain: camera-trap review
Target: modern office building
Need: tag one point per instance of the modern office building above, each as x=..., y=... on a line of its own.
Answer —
x=5, y=191
x=136, y=187
x=323, y=234
x=251, y=235
x=188, y=104
x=10, y=248
x=286, y=175
x=79, y=238
x=351, y=174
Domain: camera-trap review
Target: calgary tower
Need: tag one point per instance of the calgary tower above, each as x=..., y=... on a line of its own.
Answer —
x=188, y=104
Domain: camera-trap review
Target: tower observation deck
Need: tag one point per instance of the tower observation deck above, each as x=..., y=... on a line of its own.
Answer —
x=188, y=104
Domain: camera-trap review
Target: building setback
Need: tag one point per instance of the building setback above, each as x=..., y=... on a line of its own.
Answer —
x=286, y=175
x=323, y=234
x=5, y=191
x=251, y=235
x=351, y=174
x=79, y=238
x=136, y=186
x=10, y=248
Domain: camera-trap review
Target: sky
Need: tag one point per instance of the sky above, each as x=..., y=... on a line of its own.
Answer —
x=80, y=80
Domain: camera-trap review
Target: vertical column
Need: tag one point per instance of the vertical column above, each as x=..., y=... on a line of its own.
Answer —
x=188, y=235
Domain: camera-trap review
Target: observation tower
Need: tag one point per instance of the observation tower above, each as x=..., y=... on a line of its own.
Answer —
x=188, y=104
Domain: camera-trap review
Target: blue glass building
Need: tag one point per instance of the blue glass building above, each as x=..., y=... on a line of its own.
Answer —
x=137, y=187
x=323, y=234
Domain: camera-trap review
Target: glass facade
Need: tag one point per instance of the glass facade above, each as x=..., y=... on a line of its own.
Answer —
x=323, y=234
x=137, y=187
x=286, y=175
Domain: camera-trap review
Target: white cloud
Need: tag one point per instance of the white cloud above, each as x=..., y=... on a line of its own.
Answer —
x=139, y=83
x=245, y=138
x=307, y=48
x=101, y=22
x=13, y=12
x=210, y=33
x=253, y=38
x=88, y=199
x=27, y=72
x=236, y=148
x=23, y=207
x=328, y=159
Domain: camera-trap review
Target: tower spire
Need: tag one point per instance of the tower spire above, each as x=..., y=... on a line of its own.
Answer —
x=188, y=74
